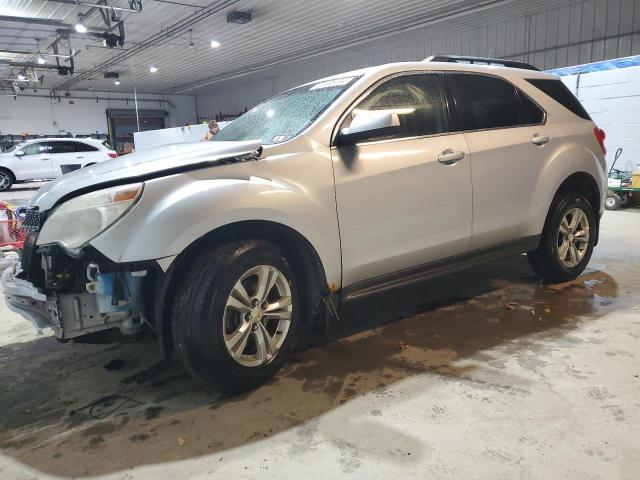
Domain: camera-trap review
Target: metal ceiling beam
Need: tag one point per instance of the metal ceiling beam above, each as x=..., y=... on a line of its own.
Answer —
x=95, y=5
x=156, y=39
x=26, y=52
x=46, y=21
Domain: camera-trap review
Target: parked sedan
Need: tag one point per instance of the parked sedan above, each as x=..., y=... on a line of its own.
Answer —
x=47, y=158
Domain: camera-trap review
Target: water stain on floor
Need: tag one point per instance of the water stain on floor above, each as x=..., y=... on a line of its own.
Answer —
x=159, y=414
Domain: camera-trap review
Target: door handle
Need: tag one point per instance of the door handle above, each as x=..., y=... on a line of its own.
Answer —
x=79, y=157
x=450, y=157
x=540, y=140
x=44, y=159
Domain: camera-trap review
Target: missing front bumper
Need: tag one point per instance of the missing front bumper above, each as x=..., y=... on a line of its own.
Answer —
x=71, y=315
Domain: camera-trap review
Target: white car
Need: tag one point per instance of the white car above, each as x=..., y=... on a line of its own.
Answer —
x=46, y=158
x=332, y=191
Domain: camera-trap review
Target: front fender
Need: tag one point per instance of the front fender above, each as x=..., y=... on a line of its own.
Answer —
x=175, y=211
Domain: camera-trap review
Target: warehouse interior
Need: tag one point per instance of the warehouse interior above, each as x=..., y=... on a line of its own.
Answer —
x=491, y=372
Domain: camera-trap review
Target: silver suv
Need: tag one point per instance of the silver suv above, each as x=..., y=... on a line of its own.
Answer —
x=331, y=191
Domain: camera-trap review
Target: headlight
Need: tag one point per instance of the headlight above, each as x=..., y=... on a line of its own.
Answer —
x=80, y=219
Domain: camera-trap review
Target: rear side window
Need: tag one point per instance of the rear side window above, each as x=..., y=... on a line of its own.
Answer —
x=561, y=94
x=484, y=102
x=84, y=147
x=418, y=100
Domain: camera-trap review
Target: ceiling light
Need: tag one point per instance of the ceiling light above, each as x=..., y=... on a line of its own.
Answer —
x=42, y=60
x=116, y=83
x=80, y=28
x=215, y=44
x=153, y=69
x=21, y=76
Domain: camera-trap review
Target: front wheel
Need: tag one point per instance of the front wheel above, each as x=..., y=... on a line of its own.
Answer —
x=567, y=240
x=6, y=180
x=235, y=314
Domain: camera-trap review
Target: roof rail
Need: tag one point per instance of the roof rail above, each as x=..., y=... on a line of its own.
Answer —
x=480, y=61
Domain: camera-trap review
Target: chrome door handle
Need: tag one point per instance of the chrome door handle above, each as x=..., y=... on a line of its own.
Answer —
x=450, y=157
x=540, y=140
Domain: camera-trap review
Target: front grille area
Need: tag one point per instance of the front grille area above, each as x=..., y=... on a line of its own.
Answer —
x=32, y=220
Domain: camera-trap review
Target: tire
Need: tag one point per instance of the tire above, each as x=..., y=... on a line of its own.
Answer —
x=202, y=322
x=89, y=164
x=6, y=180
x=613, y=201
x=546, y=259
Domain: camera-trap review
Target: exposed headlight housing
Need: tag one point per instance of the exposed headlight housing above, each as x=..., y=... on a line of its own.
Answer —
x=77, y=221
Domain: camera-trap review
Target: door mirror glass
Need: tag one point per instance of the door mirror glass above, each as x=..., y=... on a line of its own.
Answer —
x=367, y=125
x=19, y=153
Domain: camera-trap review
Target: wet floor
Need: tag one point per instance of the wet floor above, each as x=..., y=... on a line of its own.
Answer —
x=486, y=371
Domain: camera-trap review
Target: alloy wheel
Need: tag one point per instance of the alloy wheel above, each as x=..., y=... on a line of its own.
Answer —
x=5, y=180
x=257, y=316
x=573, y=237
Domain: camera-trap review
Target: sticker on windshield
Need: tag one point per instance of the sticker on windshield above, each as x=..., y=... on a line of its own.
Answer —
x=279, y=138
x=338, y=82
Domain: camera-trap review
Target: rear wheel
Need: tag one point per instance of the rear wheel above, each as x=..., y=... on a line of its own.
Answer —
x=235, y=316
x=6, y=180
x=567, y=240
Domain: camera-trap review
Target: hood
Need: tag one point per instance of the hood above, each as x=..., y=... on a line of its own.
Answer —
x=158, y=161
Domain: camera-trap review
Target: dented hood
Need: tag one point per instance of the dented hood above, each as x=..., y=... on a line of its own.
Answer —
x=166, y=159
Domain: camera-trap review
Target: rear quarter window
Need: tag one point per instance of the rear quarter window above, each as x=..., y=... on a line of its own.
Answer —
x=561, y=94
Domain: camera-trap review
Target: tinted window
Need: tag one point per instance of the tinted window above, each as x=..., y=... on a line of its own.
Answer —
x=488, y=102
x=63, y=147
x=83, y=147
x=561, y=94
x=418, y=101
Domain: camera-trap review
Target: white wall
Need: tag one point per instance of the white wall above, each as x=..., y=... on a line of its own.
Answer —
x=42, y=115
x=612, y=98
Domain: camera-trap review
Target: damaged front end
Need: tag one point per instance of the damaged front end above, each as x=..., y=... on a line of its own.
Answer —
x=76, y=295
x=62, y=282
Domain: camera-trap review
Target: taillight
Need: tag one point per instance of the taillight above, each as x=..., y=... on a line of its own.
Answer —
x=113, y=154
x=600, y=136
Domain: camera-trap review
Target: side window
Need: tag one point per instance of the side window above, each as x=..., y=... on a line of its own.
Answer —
x=35, y=148
x=488, y=102
x=63, y=147
x=418, y=100
x=83, y=147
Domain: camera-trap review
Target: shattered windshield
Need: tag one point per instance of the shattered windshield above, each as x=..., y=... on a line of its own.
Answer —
x=286, y=115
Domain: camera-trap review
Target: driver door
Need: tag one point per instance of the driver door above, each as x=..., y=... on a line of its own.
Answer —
x=36, y=162
x=402, y=202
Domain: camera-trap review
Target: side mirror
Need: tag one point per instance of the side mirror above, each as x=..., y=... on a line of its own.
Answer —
x=367, y=125
x=19, y=153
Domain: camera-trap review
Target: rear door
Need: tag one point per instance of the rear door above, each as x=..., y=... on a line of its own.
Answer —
x=66, y=157
x=510, y=143
x=403, y=200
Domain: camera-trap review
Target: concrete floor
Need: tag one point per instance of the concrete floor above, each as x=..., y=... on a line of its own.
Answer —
x=486, y=374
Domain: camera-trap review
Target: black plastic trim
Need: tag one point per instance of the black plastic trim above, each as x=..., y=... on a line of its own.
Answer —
x=438, y=268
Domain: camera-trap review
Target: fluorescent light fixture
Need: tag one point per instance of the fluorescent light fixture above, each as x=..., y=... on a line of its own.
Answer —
x=41, y=60
x=153, y=69
x=215, y=44
x=80, y=28
x=116, y=83
x=21, y=77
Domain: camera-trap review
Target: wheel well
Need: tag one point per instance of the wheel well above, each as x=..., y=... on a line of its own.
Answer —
x=585, y=185
x=303, y=257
